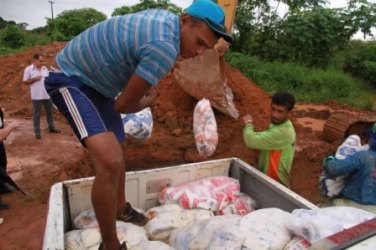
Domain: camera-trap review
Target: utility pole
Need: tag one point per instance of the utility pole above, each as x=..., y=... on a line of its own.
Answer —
x=52, y=10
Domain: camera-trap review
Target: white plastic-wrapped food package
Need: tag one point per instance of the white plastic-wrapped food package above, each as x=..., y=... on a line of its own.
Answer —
x=266, y=229
x=85, y=219
x=205, y=128
x=314, y=225
x=241, y=205
x=138, y=125
x=297, y=243
x=219, y=232
x=211, y=193
x=91, y=238
x=164, y=219
x=152, y=245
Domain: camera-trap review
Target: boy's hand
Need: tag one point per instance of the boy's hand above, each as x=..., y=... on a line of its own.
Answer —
x=247, y=119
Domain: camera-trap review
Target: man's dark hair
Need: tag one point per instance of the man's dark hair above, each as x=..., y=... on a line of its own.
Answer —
x=284, y=99
x=37, y=56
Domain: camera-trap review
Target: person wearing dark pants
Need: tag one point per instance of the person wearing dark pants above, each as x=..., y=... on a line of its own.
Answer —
x=4, y=132
x=37, y=104
x=34, y=76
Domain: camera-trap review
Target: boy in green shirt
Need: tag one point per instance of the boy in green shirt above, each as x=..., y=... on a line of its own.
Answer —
x=277, y=143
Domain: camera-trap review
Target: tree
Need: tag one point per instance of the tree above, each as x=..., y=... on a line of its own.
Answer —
x=308, y=34
x=12, y=36
x=4, y=23
x=70, y=23
x=148, y=4
x=312, y=37
x=360, y=15
x=302, y=4
x=251, y=16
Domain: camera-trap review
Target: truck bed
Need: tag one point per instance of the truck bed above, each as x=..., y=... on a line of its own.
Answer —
x=68, y=198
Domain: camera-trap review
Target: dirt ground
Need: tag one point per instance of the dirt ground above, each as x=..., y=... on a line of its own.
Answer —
x=37, y=164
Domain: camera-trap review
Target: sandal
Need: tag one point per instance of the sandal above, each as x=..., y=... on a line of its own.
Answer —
x=122, y=246
x=132, y=216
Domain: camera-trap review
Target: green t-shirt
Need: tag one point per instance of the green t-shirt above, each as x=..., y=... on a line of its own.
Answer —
x=277, y=145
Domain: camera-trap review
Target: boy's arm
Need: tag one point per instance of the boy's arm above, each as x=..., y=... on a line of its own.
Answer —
x=336, y=167
x=4, y=132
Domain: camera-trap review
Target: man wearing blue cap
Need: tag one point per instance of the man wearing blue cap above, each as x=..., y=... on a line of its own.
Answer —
x=123, y=57
x=360, y=168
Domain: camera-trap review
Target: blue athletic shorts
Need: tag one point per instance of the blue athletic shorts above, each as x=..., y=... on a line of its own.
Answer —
x=87, y=111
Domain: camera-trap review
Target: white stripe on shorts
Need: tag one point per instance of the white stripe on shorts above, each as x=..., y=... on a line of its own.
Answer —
x=74, y=112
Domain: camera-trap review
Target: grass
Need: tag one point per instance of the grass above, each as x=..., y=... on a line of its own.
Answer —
x=306, y=84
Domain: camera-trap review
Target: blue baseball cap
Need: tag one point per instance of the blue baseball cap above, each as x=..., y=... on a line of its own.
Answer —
x=212, y=14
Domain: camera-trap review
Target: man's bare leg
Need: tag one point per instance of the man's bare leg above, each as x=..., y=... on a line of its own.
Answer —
x=108, y=157
x=121, y=188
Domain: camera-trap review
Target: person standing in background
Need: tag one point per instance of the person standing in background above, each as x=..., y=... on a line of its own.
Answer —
x=4, y=132
x=33, y=76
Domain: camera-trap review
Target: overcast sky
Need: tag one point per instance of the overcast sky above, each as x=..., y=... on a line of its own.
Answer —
x=34, y=12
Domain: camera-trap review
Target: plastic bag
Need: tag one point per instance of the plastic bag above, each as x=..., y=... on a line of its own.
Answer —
x=314, y=225
x=242, y=206
x=266, y=229
x=172, y=216
x=331, y=187
x=297, y=243
x=201, y=77
x=90, y=238
x=85, y=219
x=218, y=232
x=152, y=245
x=205, y=128
x=211, y=193
x=138, y=125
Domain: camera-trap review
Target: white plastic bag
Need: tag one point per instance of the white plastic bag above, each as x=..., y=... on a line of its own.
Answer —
x=211, y=193
x=138, y=125
x=90, y=238
x=314, y=225
x=351, y=145
x=152, y=245
x=331, y=187
x=266, y=229
x=205, y=128
x=243, y=205
x=218, y=232
x=85, y=219
x=172, y=216
x=297, y=243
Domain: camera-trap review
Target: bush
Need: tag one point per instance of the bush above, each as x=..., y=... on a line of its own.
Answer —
x=369, y=72
x=12, y=37
x=306, y=84
x=360, y=60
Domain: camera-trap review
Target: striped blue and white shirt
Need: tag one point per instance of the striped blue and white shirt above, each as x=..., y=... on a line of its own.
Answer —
x=106, y=55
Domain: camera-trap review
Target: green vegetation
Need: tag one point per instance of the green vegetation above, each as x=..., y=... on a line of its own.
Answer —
x=307, y=84
x=70, y=23
x=148, y=4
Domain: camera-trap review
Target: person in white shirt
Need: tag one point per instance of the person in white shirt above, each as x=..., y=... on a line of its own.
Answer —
x=33, y=76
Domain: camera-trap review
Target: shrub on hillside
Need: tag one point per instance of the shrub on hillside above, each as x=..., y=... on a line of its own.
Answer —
x=360, y=61
x=12, y=37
